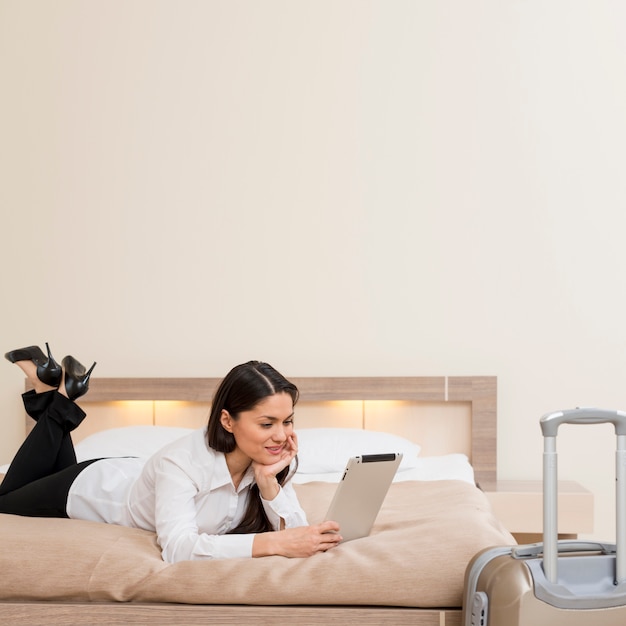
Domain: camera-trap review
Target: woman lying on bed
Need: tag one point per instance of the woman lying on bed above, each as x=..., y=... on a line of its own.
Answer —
x=222, y=491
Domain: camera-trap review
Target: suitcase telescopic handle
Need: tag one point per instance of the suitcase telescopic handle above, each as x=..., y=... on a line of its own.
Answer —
x=551, y=421
x=549, y=427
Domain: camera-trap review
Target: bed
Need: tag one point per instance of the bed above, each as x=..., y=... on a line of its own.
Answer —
x=410, y=569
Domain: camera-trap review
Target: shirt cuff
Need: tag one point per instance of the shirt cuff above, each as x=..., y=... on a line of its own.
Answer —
x=281, y=507
x=228, y=546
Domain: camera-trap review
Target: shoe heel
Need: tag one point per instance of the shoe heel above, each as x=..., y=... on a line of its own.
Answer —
x=49, y=372
x=76, y=378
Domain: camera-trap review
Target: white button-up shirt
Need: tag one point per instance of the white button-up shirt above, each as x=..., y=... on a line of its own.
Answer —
x=184, y=493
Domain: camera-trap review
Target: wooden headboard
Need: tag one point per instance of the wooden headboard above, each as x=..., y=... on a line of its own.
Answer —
x=478, y=392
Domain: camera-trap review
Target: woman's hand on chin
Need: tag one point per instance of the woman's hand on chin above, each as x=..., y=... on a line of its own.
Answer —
x=265, y=475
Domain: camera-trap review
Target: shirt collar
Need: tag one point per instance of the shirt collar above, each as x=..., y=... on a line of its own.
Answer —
x=221, y=475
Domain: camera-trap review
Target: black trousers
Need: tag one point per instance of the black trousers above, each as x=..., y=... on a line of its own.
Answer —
x=39, y=478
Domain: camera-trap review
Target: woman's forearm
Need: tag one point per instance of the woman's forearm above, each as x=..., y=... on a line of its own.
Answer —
x=268, y=488
x=302, y=541
x=264, y=544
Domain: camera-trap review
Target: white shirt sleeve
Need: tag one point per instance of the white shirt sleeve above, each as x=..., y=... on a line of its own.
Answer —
x=285, y=506
x=175, y=521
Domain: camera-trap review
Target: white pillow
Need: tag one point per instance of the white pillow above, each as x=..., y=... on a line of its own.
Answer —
x=141, y=441
x=322, y=450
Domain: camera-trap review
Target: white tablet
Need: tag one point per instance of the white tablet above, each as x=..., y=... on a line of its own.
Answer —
x=361, y=492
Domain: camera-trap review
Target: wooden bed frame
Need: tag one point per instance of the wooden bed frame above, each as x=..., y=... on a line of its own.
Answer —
x=479, y=392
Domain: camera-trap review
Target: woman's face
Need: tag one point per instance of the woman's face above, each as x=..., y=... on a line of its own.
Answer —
x=261, y=433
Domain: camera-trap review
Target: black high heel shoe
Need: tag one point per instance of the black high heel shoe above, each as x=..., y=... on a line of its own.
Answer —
x=76, y=378
x=48, y=370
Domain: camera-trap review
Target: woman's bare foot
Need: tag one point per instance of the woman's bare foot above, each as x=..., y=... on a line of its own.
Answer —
x=30, y=369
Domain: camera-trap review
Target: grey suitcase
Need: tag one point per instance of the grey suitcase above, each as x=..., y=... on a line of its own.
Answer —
x=555, y=582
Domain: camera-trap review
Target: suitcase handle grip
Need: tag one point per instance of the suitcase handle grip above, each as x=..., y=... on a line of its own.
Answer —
x=531, y=550
x=551, y=421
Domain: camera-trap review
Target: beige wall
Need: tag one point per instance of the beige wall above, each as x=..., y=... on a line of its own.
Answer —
x=365, y=188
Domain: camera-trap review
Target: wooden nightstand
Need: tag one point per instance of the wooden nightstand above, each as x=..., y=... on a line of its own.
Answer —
x=518, y=504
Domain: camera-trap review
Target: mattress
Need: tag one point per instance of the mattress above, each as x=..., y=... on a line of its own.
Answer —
x=415, y=556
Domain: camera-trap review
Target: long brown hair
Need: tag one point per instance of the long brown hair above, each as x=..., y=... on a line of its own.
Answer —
x=241, y=390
